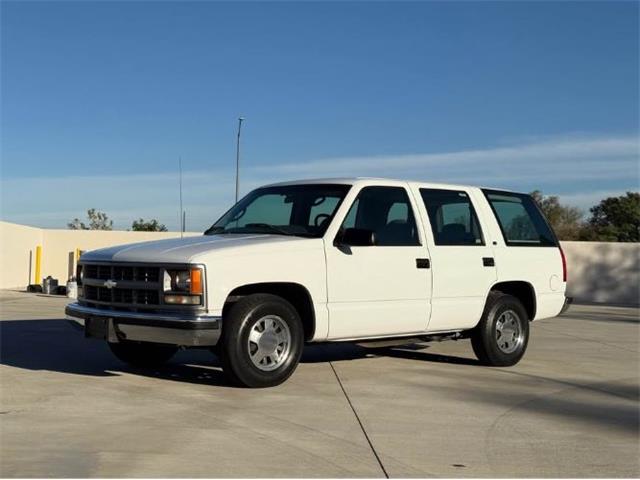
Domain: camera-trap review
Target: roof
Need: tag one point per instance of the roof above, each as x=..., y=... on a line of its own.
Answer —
x=374, y=181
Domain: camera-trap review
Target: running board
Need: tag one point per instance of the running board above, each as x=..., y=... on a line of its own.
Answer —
x=397, y=342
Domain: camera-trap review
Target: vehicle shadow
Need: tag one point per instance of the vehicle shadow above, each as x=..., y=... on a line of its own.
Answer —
x=402, y=352
x=329, y=352
x=54, y=345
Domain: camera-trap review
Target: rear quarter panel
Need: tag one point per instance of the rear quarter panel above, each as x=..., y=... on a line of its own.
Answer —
x=539, y=266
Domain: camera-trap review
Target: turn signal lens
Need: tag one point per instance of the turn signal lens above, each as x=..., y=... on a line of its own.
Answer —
x=196, y=281
x=182, y=299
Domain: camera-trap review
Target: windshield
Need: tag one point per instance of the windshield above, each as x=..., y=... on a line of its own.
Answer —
x=300, y=210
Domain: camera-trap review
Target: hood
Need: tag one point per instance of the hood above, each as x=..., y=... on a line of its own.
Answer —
x=184, y=250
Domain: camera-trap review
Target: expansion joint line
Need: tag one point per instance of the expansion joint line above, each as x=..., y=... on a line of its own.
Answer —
x=355, y=413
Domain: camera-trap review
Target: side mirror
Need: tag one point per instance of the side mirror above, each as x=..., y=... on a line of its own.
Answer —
x=357, y=237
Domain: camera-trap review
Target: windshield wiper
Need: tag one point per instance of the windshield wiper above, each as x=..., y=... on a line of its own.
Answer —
x=215, y=230
x=218, y=230
x=269, y=227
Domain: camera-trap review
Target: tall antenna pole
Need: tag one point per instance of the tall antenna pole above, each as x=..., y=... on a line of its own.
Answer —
x=181, y=216
x=240, y=119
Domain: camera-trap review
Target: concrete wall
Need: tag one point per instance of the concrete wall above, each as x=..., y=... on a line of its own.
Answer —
x=18, y=243
x=603, y=272
x=18, y=253
x=598, y=271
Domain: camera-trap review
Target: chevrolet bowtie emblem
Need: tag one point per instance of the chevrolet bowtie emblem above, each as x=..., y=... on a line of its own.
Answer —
x=110, y=284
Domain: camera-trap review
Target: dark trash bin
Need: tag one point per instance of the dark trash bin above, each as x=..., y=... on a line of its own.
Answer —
x=50, y=285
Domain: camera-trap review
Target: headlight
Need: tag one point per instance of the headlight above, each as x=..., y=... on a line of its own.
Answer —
x=177, y=280
x=188, y=281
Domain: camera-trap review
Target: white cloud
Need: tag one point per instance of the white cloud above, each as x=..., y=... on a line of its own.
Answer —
x=559, y=159
x=52, y=202
x=580, y=169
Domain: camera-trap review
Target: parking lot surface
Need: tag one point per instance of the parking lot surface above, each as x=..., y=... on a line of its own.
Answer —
x=68, y=408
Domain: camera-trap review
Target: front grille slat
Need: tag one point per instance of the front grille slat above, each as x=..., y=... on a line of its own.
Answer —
x=141, y=287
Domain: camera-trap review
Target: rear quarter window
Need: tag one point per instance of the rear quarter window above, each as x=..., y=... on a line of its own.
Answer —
x=520, y=220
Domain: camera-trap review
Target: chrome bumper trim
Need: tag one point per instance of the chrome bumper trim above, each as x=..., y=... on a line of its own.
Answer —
x=201, y=330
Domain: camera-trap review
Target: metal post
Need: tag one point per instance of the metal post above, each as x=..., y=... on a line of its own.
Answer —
x=30, y=265
x=71, y=256
x=240, y=119
x=181, y=215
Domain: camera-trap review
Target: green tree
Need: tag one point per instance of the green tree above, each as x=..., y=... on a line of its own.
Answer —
x=150, y=226
x=565, y=220
x=97, y=221
x=615, y=219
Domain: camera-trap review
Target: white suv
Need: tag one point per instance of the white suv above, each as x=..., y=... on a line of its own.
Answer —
x=330, y=260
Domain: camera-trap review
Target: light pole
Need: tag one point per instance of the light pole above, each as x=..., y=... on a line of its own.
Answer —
x=240, y=119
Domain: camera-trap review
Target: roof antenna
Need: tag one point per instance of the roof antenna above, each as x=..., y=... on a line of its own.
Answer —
x=181, y=214
x=240, y=120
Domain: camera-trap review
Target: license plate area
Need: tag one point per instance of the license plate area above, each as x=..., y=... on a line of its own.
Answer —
x=96, y=327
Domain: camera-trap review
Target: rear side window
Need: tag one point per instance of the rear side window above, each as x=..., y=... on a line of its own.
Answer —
x=452, y=217
x=520, y=220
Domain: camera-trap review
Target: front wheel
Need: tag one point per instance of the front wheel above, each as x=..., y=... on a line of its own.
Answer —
x=143, y=354
x=501, y=337
x=262, y=341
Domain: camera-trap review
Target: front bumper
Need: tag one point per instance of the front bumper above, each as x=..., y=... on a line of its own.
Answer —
x=115, y=326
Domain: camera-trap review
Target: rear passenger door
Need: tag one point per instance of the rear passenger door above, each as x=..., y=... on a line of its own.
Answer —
x=462, y=260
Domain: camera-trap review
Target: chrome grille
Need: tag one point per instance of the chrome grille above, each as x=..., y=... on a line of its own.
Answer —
x=121, y=295
x=121, y=272
x=134, y=286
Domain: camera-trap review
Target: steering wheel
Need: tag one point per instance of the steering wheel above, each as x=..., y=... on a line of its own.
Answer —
x=320, y=218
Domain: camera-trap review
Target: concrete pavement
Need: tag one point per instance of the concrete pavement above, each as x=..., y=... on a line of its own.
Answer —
x=570, y=408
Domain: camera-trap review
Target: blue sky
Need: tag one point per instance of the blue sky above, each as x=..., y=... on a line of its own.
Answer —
x=100, y=98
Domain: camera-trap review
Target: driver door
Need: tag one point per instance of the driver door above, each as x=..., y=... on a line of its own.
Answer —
x=383, y=289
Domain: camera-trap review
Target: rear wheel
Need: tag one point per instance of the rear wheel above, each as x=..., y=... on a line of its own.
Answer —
x=501, y=337
x=143, y=354
x=262, y=341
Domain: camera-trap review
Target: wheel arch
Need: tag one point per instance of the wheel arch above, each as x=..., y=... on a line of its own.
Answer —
x=295, y=293
x=520, y=289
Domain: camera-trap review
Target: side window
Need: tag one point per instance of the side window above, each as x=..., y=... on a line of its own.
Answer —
x=520, y=220
x=398, y=211
x=452, y=217
x=350, y=219
x=387, y=212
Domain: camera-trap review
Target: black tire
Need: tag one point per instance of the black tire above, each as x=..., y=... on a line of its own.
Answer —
x=492, y=348
x=235, y=350
x=143, y=354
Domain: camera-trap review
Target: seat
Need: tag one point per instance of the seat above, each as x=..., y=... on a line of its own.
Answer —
x=396, y=232
x=455, y=234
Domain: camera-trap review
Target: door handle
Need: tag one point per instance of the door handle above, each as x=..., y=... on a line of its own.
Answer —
x=488, y=262
x=423, y=263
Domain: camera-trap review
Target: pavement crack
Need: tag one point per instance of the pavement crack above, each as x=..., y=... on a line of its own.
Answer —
x=355, y=413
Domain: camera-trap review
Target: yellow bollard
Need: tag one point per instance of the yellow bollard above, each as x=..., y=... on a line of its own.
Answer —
x=38, y=280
